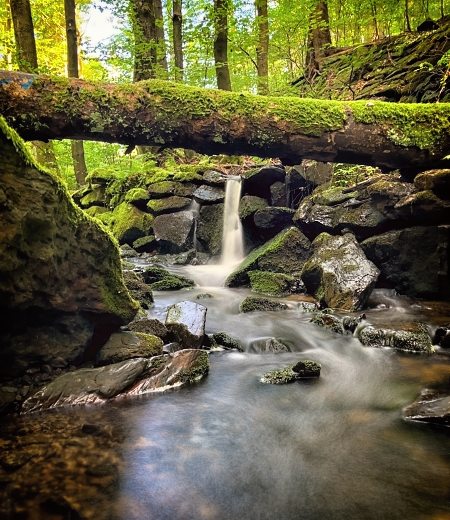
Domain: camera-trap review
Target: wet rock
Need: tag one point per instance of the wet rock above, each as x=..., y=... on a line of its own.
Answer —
x=139, y=290
x=437, y=181
x=272, y=345
x=226, y=341
x=307, y=368
x=145, y=244
x=252, y=303
x=338, y=274
x=170, y=348
x=442, y=337
x=249, y=205
x=285, y=253
x=271, y=284
x=127, y=345
x=350, y=323
x=185, y=258
x=160, y=279
x=167, y=188
x=315, y=173
x=186, y=322
x=413, y=260
x=168, y=205
x=203, y=296
x=150, y=326
x=308, y=307
x=432, y=406
x=258, y=181
x=271, y=220
x=209, y=195
x=415, y=340
x=214, y=178
x=129, y=223
x=209, y=228
x=174, y=231
x=278, y=194
x=8, y=395
x=328, y=321
x=304, y=369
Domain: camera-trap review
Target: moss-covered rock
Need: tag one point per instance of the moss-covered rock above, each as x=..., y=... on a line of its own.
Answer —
x=141, y=291
x=129, y=223
x=161, y=279
x=416, y=340
x=128, y=345
x=145, y=244
x=305, y=369
x=252, y=303
x=95, y=197
x=271, y=284
x=249, y=205
x=169, y=188
x=168, y=204
x=209, y=228
x=138, y=197
x=97, y=212
x=226, y=341
x=437, y=181
x=214, y=178
x=338, y=274
x=328, y=321
x=150, y=326
x=285, y=253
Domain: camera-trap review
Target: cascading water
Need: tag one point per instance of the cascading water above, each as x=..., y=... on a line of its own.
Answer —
x=232, y=234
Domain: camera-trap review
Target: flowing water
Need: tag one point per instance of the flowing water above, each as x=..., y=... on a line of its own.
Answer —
x=232, y=236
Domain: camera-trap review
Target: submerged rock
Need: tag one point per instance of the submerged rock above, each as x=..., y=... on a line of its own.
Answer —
x=160, y=279
x=432, y=406
x=174, y=231
x=252, y=303
x=338, y=274
x=305, y=369
x=226, y=341
x=272, y=345
x=328, y=321
x=127, y=345
x=186, y=322
x=416, y=340
x=127, y=378
x=285, y=253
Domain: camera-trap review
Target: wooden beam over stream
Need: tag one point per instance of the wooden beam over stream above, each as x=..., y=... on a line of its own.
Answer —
x=155, y=112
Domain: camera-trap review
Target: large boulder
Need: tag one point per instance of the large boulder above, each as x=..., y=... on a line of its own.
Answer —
x=186, y=322
x=209, y=228
x=56, y=263
x=128, y=345
x=174, y=232
x=414, y=261
x=285, y=253
x=259, y=180
x=271, y=220
x=128, y=223
x=338, y=274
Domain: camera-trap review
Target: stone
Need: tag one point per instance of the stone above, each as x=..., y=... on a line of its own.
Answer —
x=126, y=251
x=170, y=348
x=258, y=181
x=278, y=194
x=226, y=341
x=415, y=340
x=414, y=261
x=252, y=303
x=285, y=253
x=305, y=369
x=139, y=290
x=128, y=223
x=214, y=178
x=432, y=406
x=145, y=244
x=128, y=378
x=328, y=321
x=338, y=274
x=249, y=205
x=95, y=197
x=442, y=337
x=186, y=322
x=437, y=181
x=209, y=228
x=97, y=211
x=167, y=188
x=168, y=205
x=138, y=197
x=161, y=279
x=272, y=345
x=174, y=232
x=315, y=173
x=209, y=194
x=127, y=345
x=271, y=284
x=271, y=220
x=60, y=272
x=150, y=326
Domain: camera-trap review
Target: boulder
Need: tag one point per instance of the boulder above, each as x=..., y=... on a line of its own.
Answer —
x=209, y=228
x=163, y=189
x=338, y=274
x=128, y=223
x=328, y=321
x=249, y=205
x=305, y=369
x=186, y=322
x=145, y=244
x=315, y=173
x=150, y=326
x=56, y=264
x=414, y=261
x=174, y=232
x=226, y=341
x=140, y=291
x=414, y=338
x=214, y=178
x=127, y=345
x=168, y=205
x=278, y=194
x=285, y=253
x=160, y=279
x=209, y=195
x=271, y=220
x=252, y=303
x=258, y=181
x=271, y=284
x=432, y=406
x=127, y=378
x=437, y=181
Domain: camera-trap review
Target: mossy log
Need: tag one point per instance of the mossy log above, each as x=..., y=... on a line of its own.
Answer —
x=156, y=112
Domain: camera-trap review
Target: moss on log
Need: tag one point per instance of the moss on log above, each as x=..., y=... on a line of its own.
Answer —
x=156, y=112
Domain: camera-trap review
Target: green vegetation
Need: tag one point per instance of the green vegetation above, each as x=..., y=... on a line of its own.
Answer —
x=271, y=284
x=252, y=303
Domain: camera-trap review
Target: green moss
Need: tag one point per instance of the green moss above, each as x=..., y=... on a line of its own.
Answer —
x=331, y=195
x=270, y=284
x=250, y=204
x=224, y=340
x=145, y=244
x=197, y=371
x=171, y=283
x=129, y=223
x=136, y=194
x=168, y=205
x=252, y=303
x=96, y=211
x=280, y=376
x=152, y=344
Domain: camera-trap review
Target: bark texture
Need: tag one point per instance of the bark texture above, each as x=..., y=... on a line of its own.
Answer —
x=177, y=38
x=221, y=44
x=319, y=39
x=262, y=50
x=24, y=35
x=155, y=112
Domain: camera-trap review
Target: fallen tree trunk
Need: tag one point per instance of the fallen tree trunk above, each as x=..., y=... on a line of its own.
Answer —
x=154, y=112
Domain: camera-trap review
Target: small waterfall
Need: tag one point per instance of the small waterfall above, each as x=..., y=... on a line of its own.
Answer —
x=194, y=208
x=232, y=234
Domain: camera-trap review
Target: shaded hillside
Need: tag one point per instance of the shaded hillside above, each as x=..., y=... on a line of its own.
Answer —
x=412, y=67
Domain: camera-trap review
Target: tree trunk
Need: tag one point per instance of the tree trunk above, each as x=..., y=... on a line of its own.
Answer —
x=160, y=41
x=142, y=13
x=221, y=44
x=262, y=50
x=24, y=35
x=177, y=31
x=153, y=112
x=319, y=38
x=407, y=21
x=79, y=162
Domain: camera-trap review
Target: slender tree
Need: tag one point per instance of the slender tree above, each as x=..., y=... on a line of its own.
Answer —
x=177, y=38
x=221, y=8
x=160, y=41
x=142, y=13
x=262, y=49
x=319, y=38
x=79, y=162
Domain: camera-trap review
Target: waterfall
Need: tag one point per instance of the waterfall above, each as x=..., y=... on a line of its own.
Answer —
x=232, y=234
